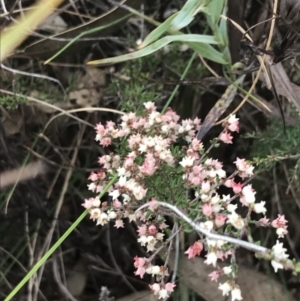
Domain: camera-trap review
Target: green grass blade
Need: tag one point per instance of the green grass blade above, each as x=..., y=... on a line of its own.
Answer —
x=215, y=8
x=96, y=29
x=157, y=32
x=208, y=52
x=187, y=14
x=203, y=39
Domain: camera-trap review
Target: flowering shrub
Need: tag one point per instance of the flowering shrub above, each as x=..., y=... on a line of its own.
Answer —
x=158, y=160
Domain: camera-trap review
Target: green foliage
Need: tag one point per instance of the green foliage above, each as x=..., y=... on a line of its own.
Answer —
x=201, y=44
x=132, y=93
x=274, y=141
x=12, y=102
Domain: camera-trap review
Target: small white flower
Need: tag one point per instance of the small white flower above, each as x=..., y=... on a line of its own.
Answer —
x=227, y=270
x=151, y=239
x=211, y=242
x=260, y=207
x=236, y=294
x=112, y=214
x=215, y=199
x=132, y=217
x=143, y=240
x=154, y=270
x=231, y=208
x=236, y=221
x=102, y=219
x=96, y=202
x=163, y=293
x=248, y=195
x=276, y=265
x=211, y=258
x=119, y=223
x=151, y=247
x=204, y=197
x=212, y=173
x=281, y=232
x=225, y=288
x=187, y=162
x=122, y=181
x=226, y=198
x=121, y=171
x=114, y=194
x=216, y=208
x=221, y=173
x=95, y=213
x=165, y=128
x=143, y=148
x=138, y=193
x=159, y=236
x=208, y=225
x=92, y=187
x=279, y=253
x=232, y=119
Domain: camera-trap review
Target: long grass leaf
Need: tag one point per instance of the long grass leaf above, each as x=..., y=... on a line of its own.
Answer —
x=187, y=14
x=205, y=39
x=157, y=32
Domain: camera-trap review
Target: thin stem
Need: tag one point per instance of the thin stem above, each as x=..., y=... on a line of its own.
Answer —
x=208, y=234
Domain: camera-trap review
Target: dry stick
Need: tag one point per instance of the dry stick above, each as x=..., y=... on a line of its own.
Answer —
x=88, y=110
x=33, y=245
x=261, y=60
x=208, y=234
x=58, y=280
x=211, y=70
x=32, y=74
x=31, y=254
x=14, y=259
x=114, y=262
x=59, y=204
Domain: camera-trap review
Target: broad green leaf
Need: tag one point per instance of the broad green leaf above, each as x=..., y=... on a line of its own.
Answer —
x=186, y=15
x=197, y=39
x=157, y=32
x=215, y=8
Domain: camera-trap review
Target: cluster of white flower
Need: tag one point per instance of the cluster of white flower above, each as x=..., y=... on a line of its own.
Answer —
x=150, y=138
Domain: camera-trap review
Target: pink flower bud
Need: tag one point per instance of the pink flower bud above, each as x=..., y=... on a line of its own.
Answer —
x=207, y=209
x=205, y=187
x=152, y=230
x=220, y=220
